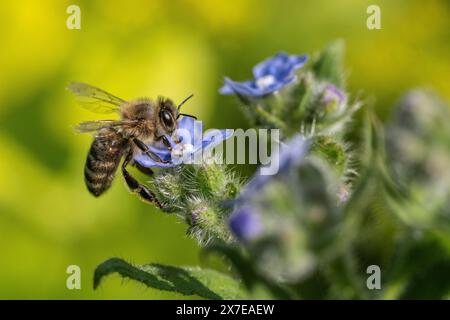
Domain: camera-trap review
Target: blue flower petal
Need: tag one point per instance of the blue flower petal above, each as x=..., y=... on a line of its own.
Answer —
x=245, y=88
x=190, y=132
x=290, y=155
x=251, y=88
x=212, y=138
x=278, y=85
x=245, y=224
x=226, y=89
x=281, y=65
x=270, y=65
x=270, y=76
x=148, y=162
x=186, y=123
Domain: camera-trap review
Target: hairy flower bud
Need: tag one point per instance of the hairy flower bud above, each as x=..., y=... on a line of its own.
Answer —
x=418, y=153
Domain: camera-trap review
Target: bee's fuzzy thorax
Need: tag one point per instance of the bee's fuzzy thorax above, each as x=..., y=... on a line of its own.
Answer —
x=142, y=108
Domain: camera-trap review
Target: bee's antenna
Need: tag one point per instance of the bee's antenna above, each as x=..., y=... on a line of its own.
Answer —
x=184, y=101
x=187, y=115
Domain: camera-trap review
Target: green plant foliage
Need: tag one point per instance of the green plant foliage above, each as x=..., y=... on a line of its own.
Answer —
x=205, y=283
x=388, y=162
x=329, y=65
x=334, y=208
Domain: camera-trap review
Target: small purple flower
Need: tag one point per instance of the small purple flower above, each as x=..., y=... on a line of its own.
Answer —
x=270, y=75
x=192, y=143
x=333, y=94
x=245, y=224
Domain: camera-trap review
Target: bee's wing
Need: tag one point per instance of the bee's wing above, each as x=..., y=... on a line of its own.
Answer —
x=92, y=126
x=95, y=99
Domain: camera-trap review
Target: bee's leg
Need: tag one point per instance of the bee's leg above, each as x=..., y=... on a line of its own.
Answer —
x=143, y=147
x=144, y=193
x=166, y=142
x=143, y=169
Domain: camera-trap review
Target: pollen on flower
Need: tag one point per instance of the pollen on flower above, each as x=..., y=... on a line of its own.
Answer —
x=265, y=81
x=182, y=149
x=191, y=145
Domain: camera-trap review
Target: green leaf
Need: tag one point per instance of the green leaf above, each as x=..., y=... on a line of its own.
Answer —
x=301, y=100
x=420, y=267
x=205, y=283
x=431, y=283
x=329, y=65
x=332, y=151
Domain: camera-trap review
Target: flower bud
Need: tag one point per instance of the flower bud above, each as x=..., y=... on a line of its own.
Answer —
x=418, y=154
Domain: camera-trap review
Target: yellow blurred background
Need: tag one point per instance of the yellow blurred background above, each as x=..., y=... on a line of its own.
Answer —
x=147, y=48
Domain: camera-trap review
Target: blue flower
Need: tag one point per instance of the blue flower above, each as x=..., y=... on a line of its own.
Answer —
x=270, y=75
x=290, y=155
x=192, y=143
x=245, y=224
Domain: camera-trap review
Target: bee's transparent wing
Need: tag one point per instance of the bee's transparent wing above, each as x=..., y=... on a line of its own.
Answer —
x=95, y=99
x=93, y=126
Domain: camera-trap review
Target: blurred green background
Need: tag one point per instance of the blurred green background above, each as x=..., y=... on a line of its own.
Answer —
x=134, y=48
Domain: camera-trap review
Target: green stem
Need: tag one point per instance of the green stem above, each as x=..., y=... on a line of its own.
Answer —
x=274, y=120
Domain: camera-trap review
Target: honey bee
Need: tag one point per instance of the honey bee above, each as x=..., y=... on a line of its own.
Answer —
x=142, y=122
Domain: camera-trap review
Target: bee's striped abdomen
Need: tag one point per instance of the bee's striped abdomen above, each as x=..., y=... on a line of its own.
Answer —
x=102, y=161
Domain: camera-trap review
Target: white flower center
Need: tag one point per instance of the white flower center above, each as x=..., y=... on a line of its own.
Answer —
x=182, y=149
x=265, y=81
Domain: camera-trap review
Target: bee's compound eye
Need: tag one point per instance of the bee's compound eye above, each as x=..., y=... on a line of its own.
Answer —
x=167, y=119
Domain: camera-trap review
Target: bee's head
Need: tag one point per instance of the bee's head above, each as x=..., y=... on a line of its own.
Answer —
x=167, y=116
